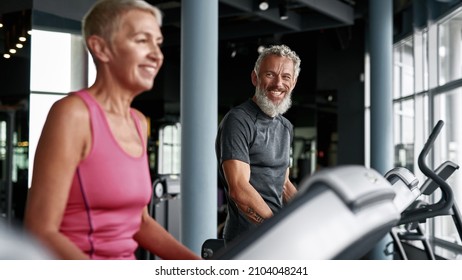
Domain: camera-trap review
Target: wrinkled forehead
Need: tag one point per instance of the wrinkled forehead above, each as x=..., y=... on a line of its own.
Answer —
x=135, y=21
x=277, y=62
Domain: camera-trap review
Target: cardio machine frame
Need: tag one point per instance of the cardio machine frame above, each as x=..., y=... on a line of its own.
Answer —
x=420, y=211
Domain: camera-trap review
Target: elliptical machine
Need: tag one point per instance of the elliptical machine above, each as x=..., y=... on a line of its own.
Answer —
x=410, y=226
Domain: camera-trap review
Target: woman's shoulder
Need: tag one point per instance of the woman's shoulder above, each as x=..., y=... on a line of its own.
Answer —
x=71, y=107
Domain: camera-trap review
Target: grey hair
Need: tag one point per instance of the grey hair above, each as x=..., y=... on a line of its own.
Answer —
x=280, y=50
x=104, y=16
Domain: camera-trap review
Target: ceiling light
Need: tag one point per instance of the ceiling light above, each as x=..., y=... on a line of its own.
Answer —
x=263, y=5
x=7, y=55
x=12, y=50
x=19, y=45
x=283, y=10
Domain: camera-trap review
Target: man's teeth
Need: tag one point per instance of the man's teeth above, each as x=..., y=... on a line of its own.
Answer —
x=276, y=93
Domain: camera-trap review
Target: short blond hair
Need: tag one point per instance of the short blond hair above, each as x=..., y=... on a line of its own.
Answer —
x=103, y=18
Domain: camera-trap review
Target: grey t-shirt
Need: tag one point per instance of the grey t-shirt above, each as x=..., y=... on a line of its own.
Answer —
x=249, y=135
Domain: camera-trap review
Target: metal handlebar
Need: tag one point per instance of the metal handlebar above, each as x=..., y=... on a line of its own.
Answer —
x=443, y=206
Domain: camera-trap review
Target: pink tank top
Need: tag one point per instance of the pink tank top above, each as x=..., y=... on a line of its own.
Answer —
x=109, y=190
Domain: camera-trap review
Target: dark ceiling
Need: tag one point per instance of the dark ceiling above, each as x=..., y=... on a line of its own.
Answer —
x=240, y=22
x=239, y=19
x=242, y=28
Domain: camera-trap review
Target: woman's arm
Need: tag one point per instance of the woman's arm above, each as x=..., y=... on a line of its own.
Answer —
x=64, y=142
x=153, y=237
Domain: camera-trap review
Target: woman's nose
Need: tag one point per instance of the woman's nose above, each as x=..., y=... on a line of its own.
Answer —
x=156, y=52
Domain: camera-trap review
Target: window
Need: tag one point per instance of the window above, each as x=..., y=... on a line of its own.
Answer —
x=403, y=104
x=170, y=149
x=427, y=77
x=449, y=147
x=58, y=66
x=449, y=48
x=403, y=69
x=403, y=125
x=57, y=63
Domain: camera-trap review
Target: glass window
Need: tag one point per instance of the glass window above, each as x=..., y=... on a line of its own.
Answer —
x=449, y=49
x=58, y=66
x=403, y=112
x=57, y=63
x=447, y=108
x=421, y=61
x=91, y=70
x=403, y=109
x=367, y=113
x=367, y=137
x=422, y=68
x=170, y=149
x=403, y=69
x=50, y=61
x=424, y=59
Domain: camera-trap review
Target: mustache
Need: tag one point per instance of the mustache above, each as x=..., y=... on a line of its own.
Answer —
x=270, y=108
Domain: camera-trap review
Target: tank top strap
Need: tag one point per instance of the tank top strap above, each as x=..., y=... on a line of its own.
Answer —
x=89, y=100
x=96, y=112
x=138, y=126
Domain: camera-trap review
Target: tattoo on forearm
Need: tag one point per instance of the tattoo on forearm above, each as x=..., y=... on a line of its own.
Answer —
x=259, y=219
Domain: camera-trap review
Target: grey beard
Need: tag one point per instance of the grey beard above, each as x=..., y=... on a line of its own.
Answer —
x=268, y=107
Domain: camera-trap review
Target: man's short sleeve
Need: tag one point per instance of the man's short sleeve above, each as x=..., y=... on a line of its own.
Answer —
x=235, y=137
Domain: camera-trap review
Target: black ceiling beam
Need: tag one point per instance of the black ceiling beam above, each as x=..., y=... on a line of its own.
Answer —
x=293, y=23
x=334, y=13
x=334, y=9
x=272, y=15
x=243, y=5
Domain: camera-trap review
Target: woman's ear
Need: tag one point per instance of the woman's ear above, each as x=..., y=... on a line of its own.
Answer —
x=98, y=47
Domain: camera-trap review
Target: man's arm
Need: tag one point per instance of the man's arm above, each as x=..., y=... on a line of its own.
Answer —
x=246, y=197
x=289, y=190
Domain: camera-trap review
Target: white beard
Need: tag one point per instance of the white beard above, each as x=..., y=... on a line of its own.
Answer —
x=270, y=108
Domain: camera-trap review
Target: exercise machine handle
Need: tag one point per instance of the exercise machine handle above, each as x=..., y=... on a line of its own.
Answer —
x=443, y=206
